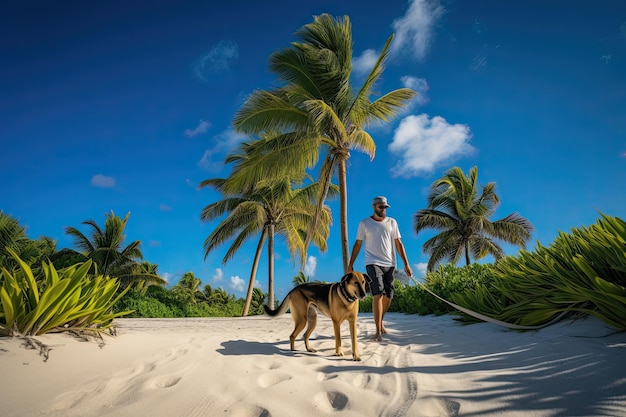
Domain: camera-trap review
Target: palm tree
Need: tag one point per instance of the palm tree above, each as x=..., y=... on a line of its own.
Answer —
x=143, y=275
x=105, y=246
x=270, y=207
x=188, y=287
x=317, y=109
x=256, y=306
x=218, y=296
x=13, y=235
x=461, y=212
x=300, y=279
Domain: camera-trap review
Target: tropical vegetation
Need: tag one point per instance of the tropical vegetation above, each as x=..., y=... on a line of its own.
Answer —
x=105, y=247
x=582, y=273
x=13, y=238
x=269, y=207
x=70, y=299
x=461, y=212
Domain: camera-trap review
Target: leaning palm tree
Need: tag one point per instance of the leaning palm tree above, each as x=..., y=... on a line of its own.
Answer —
x=461, y=212
x=106, y=246
x=317, y=110
x=272, y=206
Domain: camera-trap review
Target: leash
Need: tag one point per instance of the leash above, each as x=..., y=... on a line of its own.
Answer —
x=482, y=316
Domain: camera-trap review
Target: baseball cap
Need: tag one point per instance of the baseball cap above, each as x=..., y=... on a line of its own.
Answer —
x=380, y=200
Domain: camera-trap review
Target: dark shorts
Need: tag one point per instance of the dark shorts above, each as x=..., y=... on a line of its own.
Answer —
x=382, y=279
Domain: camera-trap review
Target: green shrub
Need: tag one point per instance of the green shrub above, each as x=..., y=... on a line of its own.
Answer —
x=445, y=282
x=142, y=306
x=68, y=299
x=581, y=273
x=157, y=301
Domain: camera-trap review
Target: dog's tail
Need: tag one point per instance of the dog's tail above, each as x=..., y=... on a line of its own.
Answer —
x=282, y=308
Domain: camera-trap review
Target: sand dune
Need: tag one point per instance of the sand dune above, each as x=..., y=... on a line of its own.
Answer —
x=426, y=366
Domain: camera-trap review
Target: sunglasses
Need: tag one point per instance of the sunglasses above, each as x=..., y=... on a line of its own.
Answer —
x=382, y=207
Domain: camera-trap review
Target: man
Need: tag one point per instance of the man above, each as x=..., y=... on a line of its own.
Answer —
x=381, y=235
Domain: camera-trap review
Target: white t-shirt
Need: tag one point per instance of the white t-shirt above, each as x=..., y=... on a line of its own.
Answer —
x=379, y=240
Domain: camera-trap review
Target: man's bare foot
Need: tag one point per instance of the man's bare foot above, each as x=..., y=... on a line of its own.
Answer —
x=377, y=337
x=383, y=331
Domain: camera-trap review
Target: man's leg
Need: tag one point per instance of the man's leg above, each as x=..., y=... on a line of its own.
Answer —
x=378, y=309
x=385, y=302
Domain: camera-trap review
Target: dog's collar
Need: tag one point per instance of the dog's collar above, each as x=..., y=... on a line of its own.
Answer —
x=345, y=294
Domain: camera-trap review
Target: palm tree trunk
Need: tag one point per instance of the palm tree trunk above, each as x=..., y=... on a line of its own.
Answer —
x=255, y=265
x=270, y=266
x=467, y=256
x=343, y=212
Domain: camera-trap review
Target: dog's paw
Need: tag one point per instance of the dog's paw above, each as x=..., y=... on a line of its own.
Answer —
x=356, y=358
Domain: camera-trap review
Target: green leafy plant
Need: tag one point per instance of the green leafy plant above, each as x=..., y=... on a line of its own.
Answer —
x=67, y=299
x=582, y=273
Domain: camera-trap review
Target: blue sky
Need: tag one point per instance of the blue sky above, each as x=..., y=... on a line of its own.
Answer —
x=127, y=106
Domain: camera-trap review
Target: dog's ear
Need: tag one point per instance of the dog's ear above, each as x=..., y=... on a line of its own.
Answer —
x=345, y=278
x=368, y=283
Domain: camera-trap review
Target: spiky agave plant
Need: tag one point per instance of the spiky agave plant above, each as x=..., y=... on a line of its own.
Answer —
x=68, y=299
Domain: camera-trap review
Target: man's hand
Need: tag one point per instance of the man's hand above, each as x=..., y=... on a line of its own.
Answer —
x=408, y=270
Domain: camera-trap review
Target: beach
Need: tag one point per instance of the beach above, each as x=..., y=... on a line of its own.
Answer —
x=425, y=366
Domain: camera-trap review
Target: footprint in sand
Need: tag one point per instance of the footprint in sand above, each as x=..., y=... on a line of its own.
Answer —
x=362, y=380
x=166, y=381
x=246, y=410
x=330, y=401
x=323, y=376
x=272, y=378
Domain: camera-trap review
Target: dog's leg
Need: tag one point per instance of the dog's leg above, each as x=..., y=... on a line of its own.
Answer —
x=312, y=321
x=337, y=328
x=300, y=321
x=355, y=346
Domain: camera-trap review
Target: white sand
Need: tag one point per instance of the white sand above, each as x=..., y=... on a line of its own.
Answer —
x=426, y=366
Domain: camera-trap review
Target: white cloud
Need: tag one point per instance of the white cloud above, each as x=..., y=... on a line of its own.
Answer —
x=309, y=267
x=216, y=61
x=223, y=144
x=364, y=63
x=237, y=284
x=165, y=207
x=417, y=84
x=102, y=181
x=218, y=276
x=203, y=127
x=424, y=144
x=420, y=269
x=414, y=30
x=167, y=276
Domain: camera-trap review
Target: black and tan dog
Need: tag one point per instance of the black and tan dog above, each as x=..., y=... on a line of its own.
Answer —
x=339, y=301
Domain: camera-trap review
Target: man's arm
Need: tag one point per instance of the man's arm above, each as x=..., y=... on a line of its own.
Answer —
x=402, y=253
x=355, y=252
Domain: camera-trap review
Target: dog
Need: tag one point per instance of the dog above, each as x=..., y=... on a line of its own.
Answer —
x=339, y=301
